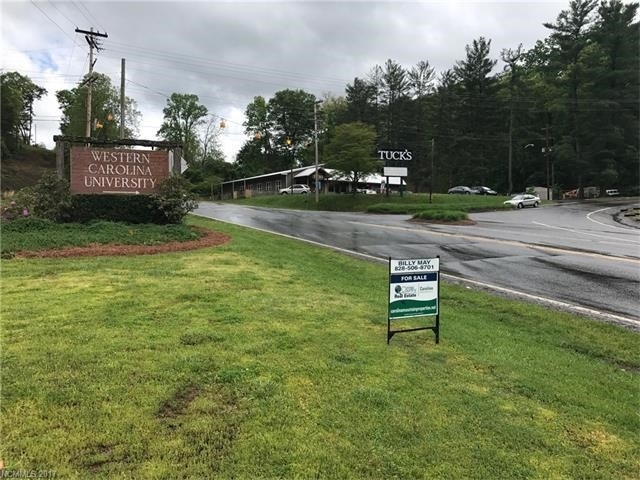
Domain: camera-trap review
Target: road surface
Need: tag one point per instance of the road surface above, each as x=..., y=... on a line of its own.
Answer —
x=571, y=256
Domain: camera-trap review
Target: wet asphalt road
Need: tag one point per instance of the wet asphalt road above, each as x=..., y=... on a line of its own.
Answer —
x=571, y=255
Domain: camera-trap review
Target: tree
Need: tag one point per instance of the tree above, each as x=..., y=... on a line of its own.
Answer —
x=182, y=117
x=615, y=81
x=512, y=59
x=282, y=129
x=290, y=115
x=570, y=36
x=395, y=91
x=360, y=98
x=250, y=160
x=258, y=156
x=445, y=128
x=209, y=147
x=421, y=79
x=478, y=119
x=17, y=95
x=105, y=99
x=351, y=151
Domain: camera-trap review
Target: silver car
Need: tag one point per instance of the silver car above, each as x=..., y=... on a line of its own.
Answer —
x=523, y=200
x=295, y=189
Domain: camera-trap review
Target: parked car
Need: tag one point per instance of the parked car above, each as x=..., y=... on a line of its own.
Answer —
x=612, y=192
x=295, y=188
x=523, y=200
x=460, y=190
x=484, y=191
x=366, y=191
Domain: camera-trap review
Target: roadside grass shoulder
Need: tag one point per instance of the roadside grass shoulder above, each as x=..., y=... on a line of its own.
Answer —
x=406, y=204
x=266, y=358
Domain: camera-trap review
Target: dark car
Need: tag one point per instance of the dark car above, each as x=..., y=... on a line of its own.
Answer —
x=484, y=191
x=460, y=190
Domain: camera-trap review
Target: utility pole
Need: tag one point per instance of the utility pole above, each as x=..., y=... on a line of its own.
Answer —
x=510, y=168
x=547, y=151
x=122, y=116
x=433, y=142
x=93, y=43
x=315, y=138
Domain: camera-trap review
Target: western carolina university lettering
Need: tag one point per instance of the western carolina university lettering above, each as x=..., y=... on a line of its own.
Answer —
x=95, y=170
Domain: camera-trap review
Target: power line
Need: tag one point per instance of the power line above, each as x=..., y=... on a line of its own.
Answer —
x=62, y=13
x=90, y=20
x=53, y=21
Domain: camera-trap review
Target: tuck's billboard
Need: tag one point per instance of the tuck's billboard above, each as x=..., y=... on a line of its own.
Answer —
x=117, y=171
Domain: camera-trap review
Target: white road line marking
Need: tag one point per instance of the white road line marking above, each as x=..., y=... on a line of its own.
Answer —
x=557, y=303
x=548, y=301
x=604, y=224
x=515, y=243
x=572, y=230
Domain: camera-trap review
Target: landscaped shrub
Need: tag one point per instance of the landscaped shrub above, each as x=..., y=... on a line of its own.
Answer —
x=115, y=208
x=442, y=215
x=49, y=198
x=27, y=224
x=14, y=210
x=174, y=199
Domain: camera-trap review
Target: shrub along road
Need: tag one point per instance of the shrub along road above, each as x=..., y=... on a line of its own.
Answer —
x=559, y=254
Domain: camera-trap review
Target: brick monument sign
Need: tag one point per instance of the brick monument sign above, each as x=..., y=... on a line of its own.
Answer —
x=117, y=171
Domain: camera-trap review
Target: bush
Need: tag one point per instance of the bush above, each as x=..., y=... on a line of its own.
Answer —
x=442, y=215
x=174, y=199
x=14, y=210
x=114, y=208
x=395, y=208
x=49, y=198
x=27, y=224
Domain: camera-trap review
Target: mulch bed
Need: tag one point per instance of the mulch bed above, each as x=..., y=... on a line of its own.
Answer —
x=208, y=239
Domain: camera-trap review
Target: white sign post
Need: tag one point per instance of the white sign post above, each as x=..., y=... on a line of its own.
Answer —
x=414, y=291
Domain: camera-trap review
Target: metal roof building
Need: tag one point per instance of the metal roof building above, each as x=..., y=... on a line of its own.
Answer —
x=329, y=181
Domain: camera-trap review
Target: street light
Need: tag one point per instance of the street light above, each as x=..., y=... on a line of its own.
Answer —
x=315, y=135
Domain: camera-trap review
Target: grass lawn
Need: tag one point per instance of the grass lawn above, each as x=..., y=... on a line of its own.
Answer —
x=267, y=358
x=407, y=204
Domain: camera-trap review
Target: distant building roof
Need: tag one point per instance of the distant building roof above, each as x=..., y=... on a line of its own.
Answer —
x=307, y=171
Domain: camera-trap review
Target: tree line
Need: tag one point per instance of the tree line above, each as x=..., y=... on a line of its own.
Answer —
x=565, y=112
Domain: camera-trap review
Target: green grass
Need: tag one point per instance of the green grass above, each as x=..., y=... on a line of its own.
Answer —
x=38, y=234
x=267, y=358
x=407, y=204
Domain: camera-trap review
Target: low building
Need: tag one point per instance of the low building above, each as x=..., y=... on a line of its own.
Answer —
x=329, y=181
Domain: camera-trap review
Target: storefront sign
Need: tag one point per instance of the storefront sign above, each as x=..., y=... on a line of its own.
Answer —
x=394, y=171
x=117, y=171
x=397, y=155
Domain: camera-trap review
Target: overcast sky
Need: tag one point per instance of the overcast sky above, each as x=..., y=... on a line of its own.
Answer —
x=227, y=52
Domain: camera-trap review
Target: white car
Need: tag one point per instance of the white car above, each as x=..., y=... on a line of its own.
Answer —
x=366, y=191
x=295, y=188
x=523, y=200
